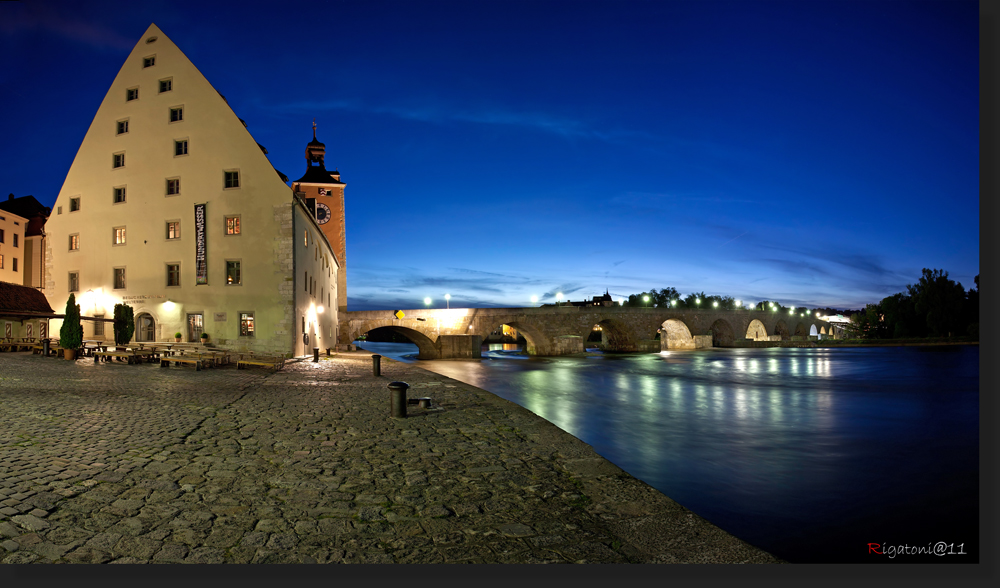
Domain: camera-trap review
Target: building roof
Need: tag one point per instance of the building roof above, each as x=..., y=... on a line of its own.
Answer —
x=14, y=297
x=30, y=209
x=317, y=174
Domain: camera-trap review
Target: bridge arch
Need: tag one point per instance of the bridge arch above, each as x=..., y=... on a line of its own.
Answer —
x=801, y=329
x=722, y=333
x=532, y=333
x=675, y=334
x=424, y=343
x=780, y=328
x=756, y=331
x=615, y=335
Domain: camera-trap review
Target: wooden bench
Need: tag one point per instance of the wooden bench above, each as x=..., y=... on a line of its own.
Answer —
x=275, y=363
x=107, y=355
x=196, y=360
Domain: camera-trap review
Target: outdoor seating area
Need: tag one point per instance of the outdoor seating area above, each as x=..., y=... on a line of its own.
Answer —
x=17, y=343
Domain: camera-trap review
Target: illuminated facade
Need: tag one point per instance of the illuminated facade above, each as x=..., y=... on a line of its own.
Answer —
x=172, y=207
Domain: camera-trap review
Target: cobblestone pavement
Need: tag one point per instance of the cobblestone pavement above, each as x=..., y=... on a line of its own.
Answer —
x=114, y=463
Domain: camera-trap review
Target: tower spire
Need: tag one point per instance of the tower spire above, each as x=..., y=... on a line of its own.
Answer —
x=314, y=129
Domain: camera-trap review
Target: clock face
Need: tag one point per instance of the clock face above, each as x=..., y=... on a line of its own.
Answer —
x=322, y=214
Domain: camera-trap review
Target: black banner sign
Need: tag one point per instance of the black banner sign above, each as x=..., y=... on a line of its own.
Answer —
x=200, y=261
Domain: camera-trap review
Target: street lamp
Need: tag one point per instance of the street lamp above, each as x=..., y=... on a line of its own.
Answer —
x=739, y=303
x=673, y=302
x=697, y=300
x=447, y=300
x=558, y=298
x=427, y=301
x=645, y=298
x=715, y=304
x=534, y=299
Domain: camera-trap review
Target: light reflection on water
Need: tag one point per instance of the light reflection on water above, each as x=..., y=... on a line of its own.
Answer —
x=807, y=453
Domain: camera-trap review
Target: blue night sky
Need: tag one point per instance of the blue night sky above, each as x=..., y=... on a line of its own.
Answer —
x=813, y=153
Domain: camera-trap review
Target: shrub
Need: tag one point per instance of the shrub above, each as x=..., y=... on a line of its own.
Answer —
x=124, y=324
x=71, y=332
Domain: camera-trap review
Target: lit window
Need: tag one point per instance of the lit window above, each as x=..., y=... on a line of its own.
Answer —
x=74, y=204
x=122, y=127
x=119, y=194
x=173, y=186
x=181, y=147
x=119, y=160
x=246, y=324
x=173, y=274
x=1, y=261
x=176, y=114
x=131, y=94
x=232, y=225
x=305, y=237
x=74, y=242
x=149, y=61
x=173, y=230
x=232, y=179
x=74, y=281
x=119, y=233
x=233, y=273
x=166, y=85
x=119, y=278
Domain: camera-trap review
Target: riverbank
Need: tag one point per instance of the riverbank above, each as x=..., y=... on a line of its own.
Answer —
x=135, y=464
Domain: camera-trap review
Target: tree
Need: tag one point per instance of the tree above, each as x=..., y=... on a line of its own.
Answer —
x=124, y=324
x=900, y=317
x=938, y=301
x=71, y=332
x=865, y=325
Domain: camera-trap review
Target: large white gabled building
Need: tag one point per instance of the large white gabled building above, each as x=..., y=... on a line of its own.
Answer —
x=171, y=207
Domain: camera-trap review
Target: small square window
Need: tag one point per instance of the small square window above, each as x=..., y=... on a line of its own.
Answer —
x=122, y=127
x=166, y=85
x=177, y=114
x=74, y=281
x=119, y=235
x=173, y=229
x=246, y=324
x=173, y=186
x=119, y=278
x=74, y=204
x=173, y=274
x=232, y=225
x=119, y=195
x=233, y=277
x=59, y=210
x=74, y=242
x=232, y=179
x=149, y=61
x=131, y=94
x=118, y=161
x=181, y=147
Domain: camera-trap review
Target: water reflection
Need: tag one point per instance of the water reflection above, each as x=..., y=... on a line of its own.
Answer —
x=807, y=453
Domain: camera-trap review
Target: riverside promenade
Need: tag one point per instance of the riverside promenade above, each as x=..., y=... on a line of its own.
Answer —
x=116, y=463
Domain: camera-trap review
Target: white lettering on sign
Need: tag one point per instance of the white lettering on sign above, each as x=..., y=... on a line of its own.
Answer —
x=200, y=261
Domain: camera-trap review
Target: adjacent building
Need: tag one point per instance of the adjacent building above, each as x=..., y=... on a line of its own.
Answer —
x=172, y=207
x=31, y=257
x=12, y=247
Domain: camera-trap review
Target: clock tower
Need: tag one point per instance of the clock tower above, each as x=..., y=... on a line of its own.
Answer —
x=324, y=192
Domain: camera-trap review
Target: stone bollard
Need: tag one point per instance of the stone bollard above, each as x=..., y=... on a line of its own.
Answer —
x=376, y=365
x=315, y=354
x=45, y=347
x=398, y=399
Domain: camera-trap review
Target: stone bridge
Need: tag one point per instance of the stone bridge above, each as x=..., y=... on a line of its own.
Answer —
x=561, y=330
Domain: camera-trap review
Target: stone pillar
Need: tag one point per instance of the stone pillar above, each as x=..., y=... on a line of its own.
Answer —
x=455, y=346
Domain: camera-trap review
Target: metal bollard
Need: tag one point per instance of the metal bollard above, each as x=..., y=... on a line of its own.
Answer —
x=398, y=399
x=315, y=354
x=45, y=347
x=376, y=365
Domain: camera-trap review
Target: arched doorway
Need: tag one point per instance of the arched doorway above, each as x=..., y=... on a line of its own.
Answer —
x=145, y=328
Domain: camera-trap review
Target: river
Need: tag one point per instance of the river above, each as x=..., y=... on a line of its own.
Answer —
x=811, y=454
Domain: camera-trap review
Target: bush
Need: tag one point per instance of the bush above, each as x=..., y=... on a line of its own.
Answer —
x=71, y=332
x=177, y=335
x=124, y=324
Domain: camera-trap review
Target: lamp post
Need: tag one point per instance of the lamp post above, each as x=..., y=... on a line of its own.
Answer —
x=447, y=300
x=534, y=299
x=558, y=298
x=427, y=301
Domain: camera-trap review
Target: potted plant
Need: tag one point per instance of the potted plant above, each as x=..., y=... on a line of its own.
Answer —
x=71, y=332
x=124, y=325
x=177, y=337
x=204, y=338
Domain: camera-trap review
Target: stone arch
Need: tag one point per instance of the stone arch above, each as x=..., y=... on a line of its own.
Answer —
x=801, y=330
x=426, y=347
x=145, y=328
x=822, y=330
x=812, y=331
x=780, y=328
x=615, y=336
x=536, y=340
x=675, y=334
x=722, y=333
x=756, y=331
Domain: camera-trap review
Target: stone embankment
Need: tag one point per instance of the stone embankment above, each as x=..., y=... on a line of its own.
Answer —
x=115, y=463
